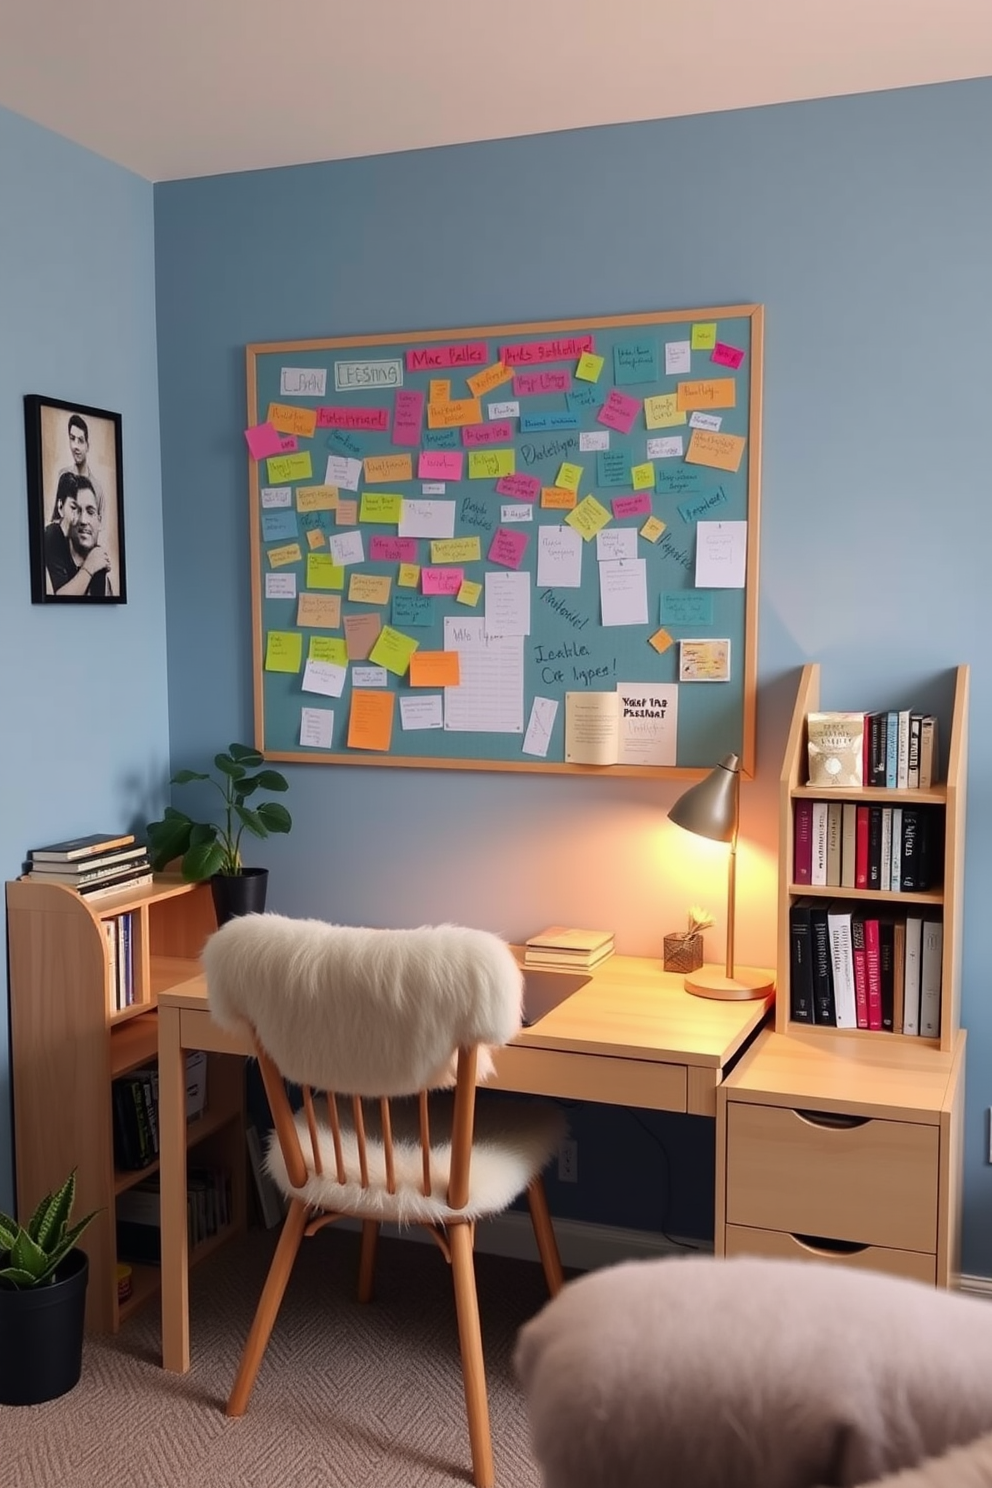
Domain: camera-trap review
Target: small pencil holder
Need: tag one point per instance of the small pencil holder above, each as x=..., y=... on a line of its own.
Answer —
x=683, y=952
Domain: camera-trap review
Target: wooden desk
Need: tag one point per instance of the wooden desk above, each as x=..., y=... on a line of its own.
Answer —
x=631, y=1036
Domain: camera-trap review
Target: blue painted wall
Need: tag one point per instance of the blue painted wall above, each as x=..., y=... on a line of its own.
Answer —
x=863, y=225
x=84, y=714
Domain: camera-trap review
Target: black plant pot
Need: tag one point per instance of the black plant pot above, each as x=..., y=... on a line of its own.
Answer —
x=239, y=893
x=41, y=1352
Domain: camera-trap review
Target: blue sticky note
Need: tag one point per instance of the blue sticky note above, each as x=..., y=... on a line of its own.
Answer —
x=344, y=442
x=534, y=423
x=695, y=608
x=586, y=395
x=612, y=468
x=412, y=609
x=441, y=439
x=635, y=361
x=700, y=507
x=278, y=525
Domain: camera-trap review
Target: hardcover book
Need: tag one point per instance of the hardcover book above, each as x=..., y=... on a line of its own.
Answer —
x=835, y=743
x=842, y=964
x=801, y=962
x=803, y=844
x=81, y=847
x=824, y=1008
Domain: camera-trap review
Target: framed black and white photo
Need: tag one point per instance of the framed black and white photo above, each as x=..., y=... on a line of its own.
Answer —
x=75, y=502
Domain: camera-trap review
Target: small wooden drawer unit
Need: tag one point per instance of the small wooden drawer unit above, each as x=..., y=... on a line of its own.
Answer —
x=824, y=1153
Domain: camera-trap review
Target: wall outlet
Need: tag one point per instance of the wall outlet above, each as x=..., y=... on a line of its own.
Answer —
x=568, y=1161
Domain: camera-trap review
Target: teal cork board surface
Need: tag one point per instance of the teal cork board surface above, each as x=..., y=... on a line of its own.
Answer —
x=509, y=547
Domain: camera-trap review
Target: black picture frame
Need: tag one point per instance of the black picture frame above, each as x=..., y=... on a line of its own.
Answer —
x=75, y=488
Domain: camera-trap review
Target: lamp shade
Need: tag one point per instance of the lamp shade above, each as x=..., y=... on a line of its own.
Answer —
x=709, y=809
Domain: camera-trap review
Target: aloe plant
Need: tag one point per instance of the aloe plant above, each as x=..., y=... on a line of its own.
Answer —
x=206, y=848
x=30, y=1255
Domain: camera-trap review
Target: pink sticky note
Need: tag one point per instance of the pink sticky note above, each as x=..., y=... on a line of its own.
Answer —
x=726, y=356
x=408, y=416
x=440, y=465
x=520, y=487
x=526, y=384
x=618, y=412
x=632, y=506
x=482, y=434
x=288, y=443
x=507, y=548
x=441, y=580
x=393, y=549
x=263, y=440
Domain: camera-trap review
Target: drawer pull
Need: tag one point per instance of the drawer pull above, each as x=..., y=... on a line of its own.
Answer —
x=834, y=1119
x=828, y=1246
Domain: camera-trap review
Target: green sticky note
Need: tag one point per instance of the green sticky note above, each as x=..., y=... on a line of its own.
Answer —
x=642, y=476
x=704, y=335
x=491, y=464
x=323, y=572
x=283, y=651
x=380, y=506
x=393, y=650
x=328, y=648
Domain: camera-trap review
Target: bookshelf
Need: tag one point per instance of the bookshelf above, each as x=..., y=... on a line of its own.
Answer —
x=844, y=1145
x=69, y=1041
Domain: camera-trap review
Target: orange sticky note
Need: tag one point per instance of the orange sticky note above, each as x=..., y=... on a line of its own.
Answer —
x=434, y=669
x=661, y=640
x=370, y=722
x=346, y=514
x=454, y=414
x=552, y=496
x=715, y=392
x=492, y=377
x=388, y=468
x=289, y=419
x=721, y=451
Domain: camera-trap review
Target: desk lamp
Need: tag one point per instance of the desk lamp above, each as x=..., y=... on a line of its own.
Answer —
x=712, y=809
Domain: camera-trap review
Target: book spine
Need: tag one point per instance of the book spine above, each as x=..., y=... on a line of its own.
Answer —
x=898, y=975
x=803, y=842
x=835, y=816
x=874, y=847
x=842, y=965
x=895, y=860
x=885, y=867
x=824, y=1008
x=891, y=749
x=860, y=970
x=873, y=967
x=928, y=751
x=861, y=849
x=932, y=937
x=886, y=966
x=848, y=845
x=913, y=762
x=801, y=967
x=908, y=867
x=818, y=873
x=911, y=984
x=878, y=734
x=902, y=751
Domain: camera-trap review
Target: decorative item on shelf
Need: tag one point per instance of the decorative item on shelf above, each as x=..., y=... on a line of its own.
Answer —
x=211, y=850
x=43, y=1276
x=684, y=950
x=712, y=809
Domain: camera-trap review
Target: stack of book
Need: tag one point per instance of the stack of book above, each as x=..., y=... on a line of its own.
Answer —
x=895, y=750
x=94, y=866
x=559, y=948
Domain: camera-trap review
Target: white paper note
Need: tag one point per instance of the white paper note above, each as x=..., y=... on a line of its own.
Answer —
x=616, y=542
x=678, y=357
x=276, y=496
x=324, y=676
x=434, y=488
x=594, y=439
x=317, y=727
x=524, y=512
x=490, y=696
x=347, y=547
x=559, y=558
x=427, y=519
x=280, y=586
x=711, y=421
x=507, y=604
x=343, y=473
x=369, y=676
x=543, y=712
x=648, y=723
x=422, y=712
x=302, y=382
x=669, y=447
x=504, y=410
x=721, y=555
x=623, y=592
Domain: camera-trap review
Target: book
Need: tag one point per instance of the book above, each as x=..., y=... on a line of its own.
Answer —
x=930, y=978
x=848, y=844
x=803, y=842
x=928, y=752
x=895, y=856
x=835, y=748
x=902, y=750
x=562, y=938
x=858, y=957
x=635, y=724
x=885, y=874
x=83, y=875
x=929, y=864
x=824, y=1009
x=874, y=847
x=818, y=866
x=891, y=749
x=567, y=960
x=800, y=962
x=886, y=969
x=861, y=848
x=911, y=980
x=873, y=968
x=842, y=963
x=875, y=731
x=913, y=765
x=834, y=822
x=77, y=869
x=81, y=847
x=116, y=886
x=909, y=876
x=898, y=974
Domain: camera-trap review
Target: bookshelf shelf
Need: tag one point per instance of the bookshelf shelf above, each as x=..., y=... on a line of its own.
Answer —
x=69, y=1042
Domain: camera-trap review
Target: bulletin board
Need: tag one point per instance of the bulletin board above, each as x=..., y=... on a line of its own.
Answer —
x=509, y=547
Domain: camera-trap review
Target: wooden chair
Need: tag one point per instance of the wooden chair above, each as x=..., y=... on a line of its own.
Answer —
x=376, y=1026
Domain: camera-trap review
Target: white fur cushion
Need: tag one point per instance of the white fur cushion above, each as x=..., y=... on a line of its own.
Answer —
x=511, y=1144
x=749, y=1373
x=363, y=1012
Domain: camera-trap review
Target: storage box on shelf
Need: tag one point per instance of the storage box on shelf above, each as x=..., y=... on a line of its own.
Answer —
x=69, y=1041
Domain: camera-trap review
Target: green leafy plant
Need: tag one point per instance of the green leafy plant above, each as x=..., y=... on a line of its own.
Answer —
x=207, y=848
x=30, y=1255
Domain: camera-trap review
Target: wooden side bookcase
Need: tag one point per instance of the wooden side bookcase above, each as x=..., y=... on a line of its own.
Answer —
x=68, y=1043
x=845, y=1145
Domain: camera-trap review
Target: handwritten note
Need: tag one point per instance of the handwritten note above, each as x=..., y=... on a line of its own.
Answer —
x=490, y=697
x=441, y=580
x=635, y=361
x=616, y=542
x=365, y=588
x=316, y=498
x=370, y=722
x=323, y=676
x=343, y=472
x=623, y=592
x=422, y=712
x=721, y=451
x=631, y=506
x=556, y=500
x=380, y=468
x=726, y=356
x=289, y=553
x=442, y=465
x=519, y=487
x=717, y=392
x=381, y=506
x=302, y=382
x=289, y=419
x=721, y=555
x=678, y=357
x=470, y=593
x=662, y=411
x=393, y=549
x=393, y=650
x=507, y=547
x=278, y=525
x=507, y=604
x=262, y=440
x=589, y=367
x=316, y=728
x=323, y=572
x=412, y=609
x=456, y=550
x=483, y=382
x=283, y=468
x=642, y=476
x=588, y=517
x=283, y=651
x=427, y=519
x=687, y=609
x=360, y=634
x=408, y=416
x=652, y=529
x=434, y=669
x=491, y=464
x=280, y=586
x=347, y=547
x=319, y=611
x=619, y=412
x=704, y=661
x=543, y=712
x=408, y=576
x=703, y=335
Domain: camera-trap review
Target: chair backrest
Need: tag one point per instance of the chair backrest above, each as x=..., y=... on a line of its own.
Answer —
x=365, y=1013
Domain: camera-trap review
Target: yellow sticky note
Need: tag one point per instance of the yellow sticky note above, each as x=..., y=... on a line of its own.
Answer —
x=283, y=468
x=393, y=650
x=346, y=514
x=316, y=498
x=283, y=651
x=291, y=420
x=288, y=553
x=557, y=499
x=661, y=641
x=323, y=572
x=491, y=464
x=456, y=550
x=588, y=517
x=408, y=576
x=652, y=529
x=316, y=538
x=662, y=411
x=704, y=335
x=388, y=468
x=328, y=648
x=642, y=476
x=319, y=611
x=469, y=593
x=434, y=669
x=589, y=367
x=369, y=588
x=454, y=414
x=381, y=506
x=713, y=392
x=439, y=390
x=481, y=383
x=721, y=451
x=568, y=477
x=370, y=722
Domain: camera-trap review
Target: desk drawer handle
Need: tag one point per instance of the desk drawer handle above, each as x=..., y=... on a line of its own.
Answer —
x=832, y=1119
x=830, y=1247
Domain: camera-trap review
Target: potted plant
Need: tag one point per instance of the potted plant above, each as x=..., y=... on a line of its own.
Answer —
x=212, y=850
x=43, y=1278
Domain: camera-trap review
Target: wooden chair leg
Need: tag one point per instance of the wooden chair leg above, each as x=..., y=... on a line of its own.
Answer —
x=268, y=1307
x=473, y=1364
x=544, y=1234
x=366, y=1260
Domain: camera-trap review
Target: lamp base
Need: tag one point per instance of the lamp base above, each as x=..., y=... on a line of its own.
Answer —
x=747, y=981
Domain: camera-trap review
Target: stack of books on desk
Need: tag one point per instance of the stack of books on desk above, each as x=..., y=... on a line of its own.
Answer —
x=94, y=866
x=563, y=949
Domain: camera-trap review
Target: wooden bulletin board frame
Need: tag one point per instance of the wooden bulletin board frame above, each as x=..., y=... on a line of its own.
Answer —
x=350, y=385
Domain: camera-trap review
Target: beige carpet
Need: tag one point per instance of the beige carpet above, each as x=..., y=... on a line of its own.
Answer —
x=347, y=1397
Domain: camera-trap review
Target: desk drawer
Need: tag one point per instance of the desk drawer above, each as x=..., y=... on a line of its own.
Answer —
x=909, y=1263
x=592, y=1077
x=875, y=1183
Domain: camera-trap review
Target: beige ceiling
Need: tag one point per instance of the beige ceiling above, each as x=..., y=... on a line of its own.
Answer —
x=193, y=87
